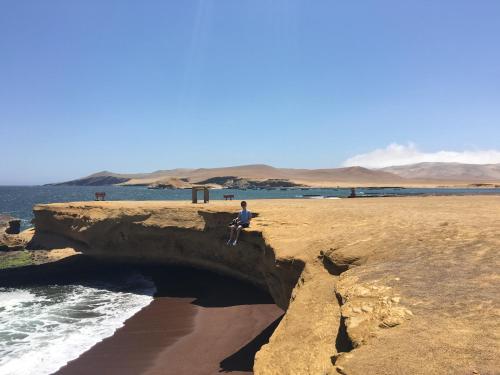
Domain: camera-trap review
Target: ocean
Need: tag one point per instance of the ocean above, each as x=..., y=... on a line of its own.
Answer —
x=18, y=201
x=42, y=327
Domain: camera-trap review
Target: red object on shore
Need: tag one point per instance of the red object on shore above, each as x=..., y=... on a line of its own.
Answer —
x=228, y=196
x=99, y=196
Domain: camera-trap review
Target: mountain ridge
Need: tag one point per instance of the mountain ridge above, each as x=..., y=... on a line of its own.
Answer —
x=447, y=171
x=403, y=175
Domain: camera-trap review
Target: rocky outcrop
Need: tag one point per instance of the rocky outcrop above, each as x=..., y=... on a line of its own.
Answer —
x=170, y=183
x=380, y=286
x=184, y=236
x=9, y=234
x=9, y=225
x=233, y=182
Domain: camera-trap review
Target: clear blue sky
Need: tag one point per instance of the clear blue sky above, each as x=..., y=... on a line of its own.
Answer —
x=133, y=86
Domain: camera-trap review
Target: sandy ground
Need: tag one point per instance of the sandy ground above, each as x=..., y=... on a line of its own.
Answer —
x=409, y=284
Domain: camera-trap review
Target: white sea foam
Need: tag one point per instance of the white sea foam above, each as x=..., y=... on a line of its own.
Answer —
x=9, y=299
x=43, y=328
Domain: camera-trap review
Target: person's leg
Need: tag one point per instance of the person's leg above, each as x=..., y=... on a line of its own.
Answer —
x=231, y=234
x=238, y=231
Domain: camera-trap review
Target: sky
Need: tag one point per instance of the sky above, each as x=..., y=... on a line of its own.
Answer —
x=131, y=86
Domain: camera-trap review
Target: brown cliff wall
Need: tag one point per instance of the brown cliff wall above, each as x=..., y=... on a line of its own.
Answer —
x=189, y=237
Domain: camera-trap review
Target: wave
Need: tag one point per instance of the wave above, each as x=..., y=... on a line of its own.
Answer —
x=43, y=328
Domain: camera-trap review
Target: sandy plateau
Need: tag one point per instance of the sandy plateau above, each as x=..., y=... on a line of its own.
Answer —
x=370, y=286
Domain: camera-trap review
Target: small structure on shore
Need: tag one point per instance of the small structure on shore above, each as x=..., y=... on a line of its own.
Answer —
x=195, y=190
x=100, y=196
x=228, y=196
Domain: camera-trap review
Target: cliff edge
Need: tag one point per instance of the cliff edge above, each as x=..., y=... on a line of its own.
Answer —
x=370, y=286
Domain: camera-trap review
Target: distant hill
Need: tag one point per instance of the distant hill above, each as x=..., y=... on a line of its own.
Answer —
x=255, y=172
x=96, y=179
x=447, y=171
x=422, y=174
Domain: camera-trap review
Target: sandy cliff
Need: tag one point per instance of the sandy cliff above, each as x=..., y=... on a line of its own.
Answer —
x=371, y=286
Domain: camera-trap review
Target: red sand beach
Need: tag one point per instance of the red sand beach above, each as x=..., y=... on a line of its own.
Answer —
x=173, y=336
x=198, y=323
x=223, y=340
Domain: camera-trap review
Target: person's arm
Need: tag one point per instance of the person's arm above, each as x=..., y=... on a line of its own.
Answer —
x=249, y=217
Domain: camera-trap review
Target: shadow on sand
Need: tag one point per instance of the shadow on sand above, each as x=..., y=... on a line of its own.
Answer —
x=243, y=359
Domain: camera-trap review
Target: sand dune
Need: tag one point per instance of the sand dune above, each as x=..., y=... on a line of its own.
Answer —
x=424, y=174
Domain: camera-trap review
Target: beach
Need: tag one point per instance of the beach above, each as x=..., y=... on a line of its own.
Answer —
x=197, y=323
x=217, y=326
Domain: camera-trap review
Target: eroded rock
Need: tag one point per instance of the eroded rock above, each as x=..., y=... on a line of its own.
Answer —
x=10, y=238
x=369, y=286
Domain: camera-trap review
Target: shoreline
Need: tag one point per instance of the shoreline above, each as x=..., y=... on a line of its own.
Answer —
x=173, y=337
x=198, y=322
x=134, y=346
x=176, y=334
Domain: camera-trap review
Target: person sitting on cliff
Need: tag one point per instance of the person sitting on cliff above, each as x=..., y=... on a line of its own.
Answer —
x=242, y=221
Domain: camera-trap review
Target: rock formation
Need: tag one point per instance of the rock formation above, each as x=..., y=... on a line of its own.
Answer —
x=233, y=182
x=9, y=225
x=9, y=234
x=370, y=286
x=170, y=183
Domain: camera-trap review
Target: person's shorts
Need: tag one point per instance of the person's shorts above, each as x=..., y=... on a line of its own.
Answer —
x=245, y=225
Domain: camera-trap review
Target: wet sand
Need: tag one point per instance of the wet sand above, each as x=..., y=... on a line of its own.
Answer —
x=198, y=323
x=223, y=340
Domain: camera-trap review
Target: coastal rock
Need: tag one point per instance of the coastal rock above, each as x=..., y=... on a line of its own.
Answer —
x=367, y=308
x=370, y=286
x=170, y=183
x=161, y=186
x=10, y=238
x=233, y=182
x=9, y=225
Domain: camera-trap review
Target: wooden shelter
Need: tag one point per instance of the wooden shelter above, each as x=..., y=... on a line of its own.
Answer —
x=195, y=190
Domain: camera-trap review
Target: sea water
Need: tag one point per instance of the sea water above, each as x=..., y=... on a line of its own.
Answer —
x=44, y=327
x=18, y=201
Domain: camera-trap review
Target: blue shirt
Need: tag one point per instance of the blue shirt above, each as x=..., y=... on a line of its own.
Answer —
x=244, y=216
